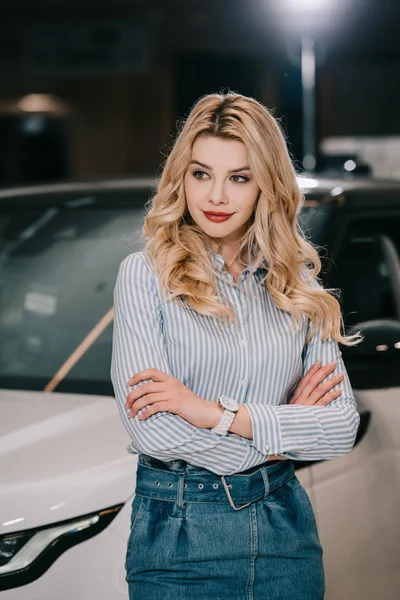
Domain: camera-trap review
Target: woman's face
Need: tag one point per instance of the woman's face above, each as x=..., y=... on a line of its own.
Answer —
x=219, y=180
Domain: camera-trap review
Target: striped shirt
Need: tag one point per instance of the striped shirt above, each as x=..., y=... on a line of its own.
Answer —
x=259, y=364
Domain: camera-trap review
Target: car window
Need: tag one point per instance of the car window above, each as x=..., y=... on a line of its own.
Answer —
x=57, y=274
x=314, y=220
x=362, y=272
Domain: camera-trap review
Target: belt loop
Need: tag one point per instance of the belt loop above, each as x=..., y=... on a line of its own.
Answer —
x=181, y=481
x=266, y=480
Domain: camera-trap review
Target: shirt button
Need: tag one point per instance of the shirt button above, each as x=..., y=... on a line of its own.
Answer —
x=267, y=448
x=243, y=382
x=243, y=341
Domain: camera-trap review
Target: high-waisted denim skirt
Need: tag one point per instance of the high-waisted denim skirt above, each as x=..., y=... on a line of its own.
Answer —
x=196, y=535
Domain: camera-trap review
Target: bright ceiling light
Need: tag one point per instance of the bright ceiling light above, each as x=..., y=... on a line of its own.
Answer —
x=305, y=5
x=43, y=103
x=350, y=165
x=336, y=191
x=306, y=182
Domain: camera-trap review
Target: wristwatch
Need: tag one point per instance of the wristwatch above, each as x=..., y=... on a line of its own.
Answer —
x=231, y=407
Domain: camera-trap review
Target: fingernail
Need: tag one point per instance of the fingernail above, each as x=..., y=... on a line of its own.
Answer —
x=317, y=364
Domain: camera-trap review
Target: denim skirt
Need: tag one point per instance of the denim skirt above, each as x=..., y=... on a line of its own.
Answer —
x=196, y=535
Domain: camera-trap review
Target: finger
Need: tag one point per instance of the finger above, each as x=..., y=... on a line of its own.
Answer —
x=146, y=401
x=317, y=401
x=311, y=379
x=315, y=367
x=304, y=400
x=153, y=374
x=328, y=398
x=325, y=387
x=306, y=377
x=316, y=379
x=142, y=390
x=155, y=408
x=314, y=390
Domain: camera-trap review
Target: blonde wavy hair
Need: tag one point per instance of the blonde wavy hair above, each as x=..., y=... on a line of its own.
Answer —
x=179, y=248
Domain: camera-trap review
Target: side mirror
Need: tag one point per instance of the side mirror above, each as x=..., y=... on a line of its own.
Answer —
x=375, y=362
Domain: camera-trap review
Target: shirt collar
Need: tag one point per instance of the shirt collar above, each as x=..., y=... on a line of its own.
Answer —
x=219, y=263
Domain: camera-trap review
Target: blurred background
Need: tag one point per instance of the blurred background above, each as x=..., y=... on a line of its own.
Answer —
x=93, y=88
x=91, y=92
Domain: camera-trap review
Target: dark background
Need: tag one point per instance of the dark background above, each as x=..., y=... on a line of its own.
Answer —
x=121, y=73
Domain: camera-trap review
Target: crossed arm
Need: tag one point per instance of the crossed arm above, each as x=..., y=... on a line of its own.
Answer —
x=289, y=431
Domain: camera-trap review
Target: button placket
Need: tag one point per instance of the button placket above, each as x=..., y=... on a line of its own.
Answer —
x=244, y=312
x=243, y=330
x=242, y=337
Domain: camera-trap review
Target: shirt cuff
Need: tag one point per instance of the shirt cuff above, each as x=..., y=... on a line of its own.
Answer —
x=279, y=429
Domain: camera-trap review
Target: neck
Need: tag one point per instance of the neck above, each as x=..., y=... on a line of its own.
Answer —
x=231, y=256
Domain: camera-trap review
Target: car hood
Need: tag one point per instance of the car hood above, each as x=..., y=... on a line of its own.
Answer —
x=61, y=456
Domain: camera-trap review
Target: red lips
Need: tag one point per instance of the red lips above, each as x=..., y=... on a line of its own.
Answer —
x=217, y=214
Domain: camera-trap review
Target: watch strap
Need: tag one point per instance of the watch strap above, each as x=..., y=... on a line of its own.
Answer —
x=224, y=423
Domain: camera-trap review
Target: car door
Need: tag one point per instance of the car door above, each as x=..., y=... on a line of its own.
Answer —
x=356, y=498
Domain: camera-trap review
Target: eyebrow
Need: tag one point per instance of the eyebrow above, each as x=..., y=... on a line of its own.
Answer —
x=197, y=162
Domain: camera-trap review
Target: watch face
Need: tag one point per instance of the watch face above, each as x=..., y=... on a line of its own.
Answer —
x=229, y=403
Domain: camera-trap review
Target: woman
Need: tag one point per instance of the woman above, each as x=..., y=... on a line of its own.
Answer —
x=229, y=347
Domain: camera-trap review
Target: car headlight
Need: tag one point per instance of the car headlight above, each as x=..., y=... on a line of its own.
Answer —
x=26, y=555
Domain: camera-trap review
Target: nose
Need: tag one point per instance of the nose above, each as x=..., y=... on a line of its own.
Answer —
x=218, y=195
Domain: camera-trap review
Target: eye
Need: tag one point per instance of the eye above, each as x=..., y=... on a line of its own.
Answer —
x=196, y=174
x=243, y=177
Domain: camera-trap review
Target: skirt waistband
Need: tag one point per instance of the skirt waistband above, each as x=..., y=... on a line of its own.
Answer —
x=200, y=485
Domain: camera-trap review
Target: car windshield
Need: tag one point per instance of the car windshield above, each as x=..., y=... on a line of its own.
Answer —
x=58, y=266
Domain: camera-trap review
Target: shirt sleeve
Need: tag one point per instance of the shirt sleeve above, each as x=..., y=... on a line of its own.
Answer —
x=303, y=432
x=137, y=345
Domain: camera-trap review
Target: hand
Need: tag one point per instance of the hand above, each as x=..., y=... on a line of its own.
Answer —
x=166, y=393
x=310, y=392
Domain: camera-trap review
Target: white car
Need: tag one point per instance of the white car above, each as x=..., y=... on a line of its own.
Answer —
x=66, y=478
x=65, y=492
